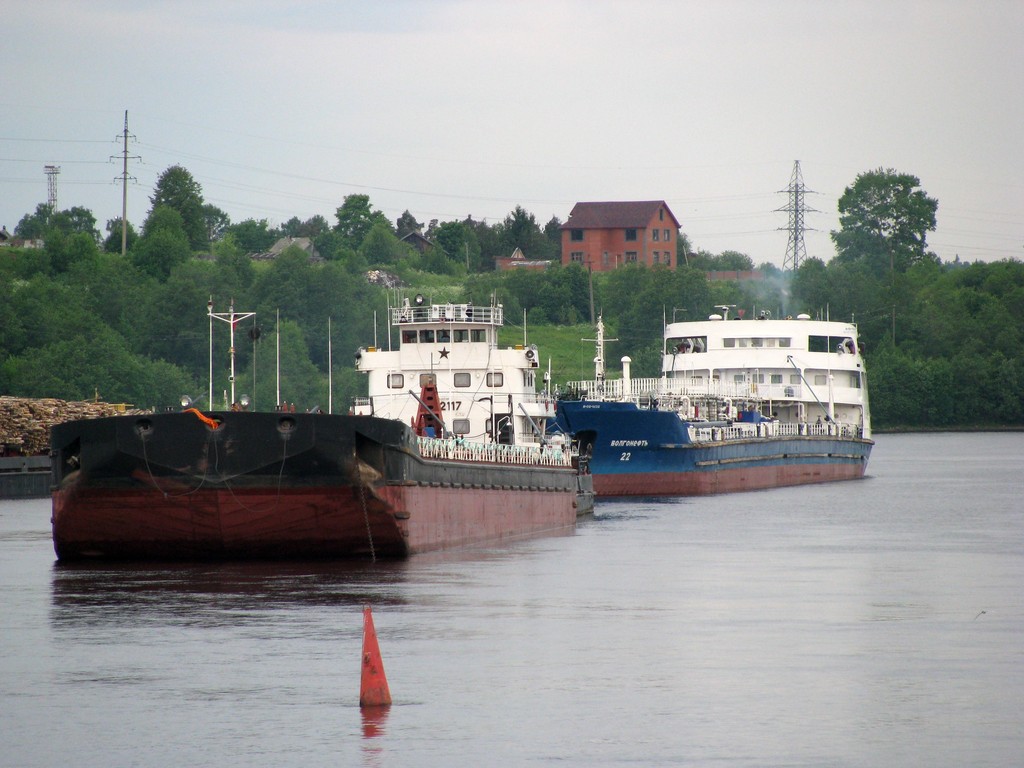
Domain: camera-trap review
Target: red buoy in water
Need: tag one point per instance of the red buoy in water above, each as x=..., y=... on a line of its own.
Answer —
x=373, y=688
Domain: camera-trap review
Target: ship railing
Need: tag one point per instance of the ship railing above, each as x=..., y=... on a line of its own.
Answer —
x=743, y=431
x=442, y=313
x=453, y=449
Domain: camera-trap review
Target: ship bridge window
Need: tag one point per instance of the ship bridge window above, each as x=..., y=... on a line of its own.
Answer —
x=825, y=343
x=408, y=337
x=427, y=337
x=460, y=335
x=855, y=380
x=444, y=336
x=462, y=380
x=686, y=345
x=728, y=343
x=776, y=378
x=495, y=379
x=396, y=380
x=757, y=342
x=478, y=334
x=785, y=342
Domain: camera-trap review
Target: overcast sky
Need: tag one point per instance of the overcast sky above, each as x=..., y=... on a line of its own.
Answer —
x=448, y=108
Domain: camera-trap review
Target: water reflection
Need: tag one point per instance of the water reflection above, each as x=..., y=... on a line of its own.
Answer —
x=374, y=725
x=213, y=594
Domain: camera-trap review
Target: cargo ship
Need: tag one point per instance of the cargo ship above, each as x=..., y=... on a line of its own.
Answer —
x=741, y=404
x=244, y=484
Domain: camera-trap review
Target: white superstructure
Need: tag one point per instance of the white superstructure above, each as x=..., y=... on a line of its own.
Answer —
x=487, y=394
x=791, y=371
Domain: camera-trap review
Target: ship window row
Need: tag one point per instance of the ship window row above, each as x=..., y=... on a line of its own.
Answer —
x=460, y=379
x=848, y=378
x=757, y=343
x=443, y=335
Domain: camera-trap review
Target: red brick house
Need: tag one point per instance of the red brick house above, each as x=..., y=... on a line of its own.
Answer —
x=605, y=236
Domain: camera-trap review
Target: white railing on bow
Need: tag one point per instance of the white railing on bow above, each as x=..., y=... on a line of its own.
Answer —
x=453, y=449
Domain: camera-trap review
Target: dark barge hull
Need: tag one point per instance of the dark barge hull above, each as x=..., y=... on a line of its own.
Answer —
x=277, y=486
x=24, y=477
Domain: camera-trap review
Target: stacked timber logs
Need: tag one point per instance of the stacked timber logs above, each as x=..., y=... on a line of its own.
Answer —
x=25, y=423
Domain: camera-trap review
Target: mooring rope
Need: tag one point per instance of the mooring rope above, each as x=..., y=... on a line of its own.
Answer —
x=366, y=516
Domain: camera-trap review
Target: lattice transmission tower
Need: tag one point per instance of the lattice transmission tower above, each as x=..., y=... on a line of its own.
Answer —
x=795, y=206
x=52, y=172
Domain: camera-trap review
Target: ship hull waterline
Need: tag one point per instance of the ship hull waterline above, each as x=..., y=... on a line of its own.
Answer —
x=747, y=476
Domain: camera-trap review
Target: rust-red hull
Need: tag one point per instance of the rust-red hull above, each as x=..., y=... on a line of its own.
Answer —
x=707, y=483
x=308, y=522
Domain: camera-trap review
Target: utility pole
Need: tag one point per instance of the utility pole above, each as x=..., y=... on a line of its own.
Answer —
x=796, y=251
x=124, y=177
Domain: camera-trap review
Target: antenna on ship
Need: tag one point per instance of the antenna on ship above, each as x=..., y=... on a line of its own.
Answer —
x=599, y=370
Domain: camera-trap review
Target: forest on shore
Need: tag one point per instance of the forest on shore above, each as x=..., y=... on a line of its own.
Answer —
x=125, y=318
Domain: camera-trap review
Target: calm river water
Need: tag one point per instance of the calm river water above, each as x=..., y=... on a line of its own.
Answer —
x=870, y=623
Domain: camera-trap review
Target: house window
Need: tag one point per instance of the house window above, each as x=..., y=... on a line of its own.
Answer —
x=495, y=379
x=630, y=235
x=576, y=235
x=661, y=214
x=576, y=256
x=396, y=380
x=668, y=236
x=655, y=257
x=462, y=380
x=631, y=256
x=604, y=258
x=654, y=234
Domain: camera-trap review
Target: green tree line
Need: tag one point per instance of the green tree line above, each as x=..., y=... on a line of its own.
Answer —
x=80, y=319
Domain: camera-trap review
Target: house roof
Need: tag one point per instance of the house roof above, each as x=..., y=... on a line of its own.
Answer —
x=616, y=215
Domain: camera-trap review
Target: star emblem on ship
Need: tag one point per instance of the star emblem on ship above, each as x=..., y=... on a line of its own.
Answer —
x=444, y=353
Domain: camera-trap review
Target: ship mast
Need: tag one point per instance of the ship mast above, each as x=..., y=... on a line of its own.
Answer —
x=232, y=318
x=599, y=370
